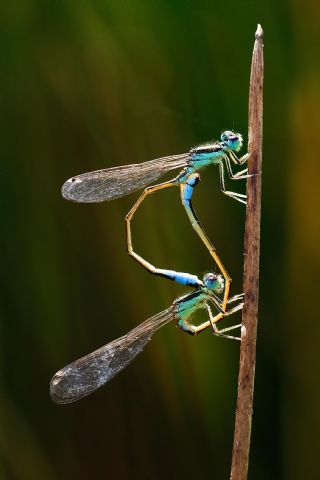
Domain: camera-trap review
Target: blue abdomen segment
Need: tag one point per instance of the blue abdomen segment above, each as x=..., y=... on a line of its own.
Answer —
x=187, y=188
x=180, y=277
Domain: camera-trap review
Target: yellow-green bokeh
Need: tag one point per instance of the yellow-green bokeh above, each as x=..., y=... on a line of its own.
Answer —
x=88, y=85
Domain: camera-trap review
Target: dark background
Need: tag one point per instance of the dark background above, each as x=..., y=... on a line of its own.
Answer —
x=88, y=85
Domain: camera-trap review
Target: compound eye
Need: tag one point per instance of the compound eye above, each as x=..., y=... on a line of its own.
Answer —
x=225, y=136
x=210, y=277
x=210, y=280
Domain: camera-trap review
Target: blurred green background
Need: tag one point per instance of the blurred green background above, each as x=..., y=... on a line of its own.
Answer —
x=88, y=85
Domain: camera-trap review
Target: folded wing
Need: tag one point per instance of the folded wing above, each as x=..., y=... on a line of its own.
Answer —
x=85, y=375
x=116, y=182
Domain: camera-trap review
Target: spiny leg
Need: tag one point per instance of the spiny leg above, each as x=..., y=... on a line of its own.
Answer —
x=236, y=196
x=221, y=332
x=241, y=160
x=186, y=192
x=240, y=296
x=148, y=266
x=179, y=277
x=236, y=176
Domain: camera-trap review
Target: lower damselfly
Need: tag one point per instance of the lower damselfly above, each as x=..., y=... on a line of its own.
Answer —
x=87, y=374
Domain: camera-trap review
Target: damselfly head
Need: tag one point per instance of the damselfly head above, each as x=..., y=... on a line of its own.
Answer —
x=214, y=282
x=232, y=140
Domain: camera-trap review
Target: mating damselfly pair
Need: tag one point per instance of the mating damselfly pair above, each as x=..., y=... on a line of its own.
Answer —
x=85, y=375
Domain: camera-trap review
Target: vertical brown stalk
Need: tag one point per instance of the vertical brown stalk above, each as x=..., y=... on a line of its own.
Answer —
x=242, y=434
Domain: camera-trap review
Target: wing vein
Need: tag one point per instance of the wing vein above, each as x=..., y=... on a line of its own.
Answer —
x=115, y=182
x=83, y=376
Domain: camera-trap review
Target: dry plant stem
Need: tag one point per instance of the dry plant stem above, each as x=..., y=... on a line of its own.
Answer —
x=242, y=434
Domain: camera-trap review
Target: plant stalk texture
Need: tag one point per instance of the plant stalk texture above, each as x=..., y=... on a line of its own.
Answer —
x=242, y=433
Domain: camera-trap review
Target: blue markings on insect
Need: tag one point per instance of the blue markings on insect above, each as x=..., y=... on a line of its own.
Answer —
x=214, y=282
x=187, y=194
x=232, y=140
x=186, y=327
x=85, y=375
x=181, y=277
x=192, y=180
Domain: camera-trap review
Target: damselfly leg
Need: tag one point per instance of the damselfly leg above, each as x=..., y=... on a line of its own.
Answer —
x=187, y=184
x=233, y=176
x=186, y=192
x=147, y=265
x=221, y=332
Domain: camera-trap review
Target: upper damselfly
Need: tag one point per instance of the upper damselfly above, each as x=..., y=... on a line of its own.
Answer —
x=115, y=182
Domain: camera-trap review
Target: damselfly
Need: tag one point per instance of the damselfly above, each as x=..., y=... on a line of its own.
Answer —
x=116, y=182
x=85, y=375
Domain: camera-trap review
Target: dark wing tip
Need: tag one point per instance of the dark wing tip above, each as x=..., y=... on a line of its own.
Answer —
x=59, y=393
x=70, y=187
x=83, y=190
x=69, y=384
x=55, y=390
